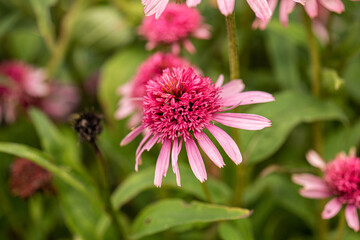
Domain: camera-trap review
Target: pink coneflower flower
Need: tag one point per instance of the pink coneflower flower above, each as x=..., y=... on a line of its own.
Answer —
x=312, y=7
x=285, y=8
x=226, y=7
x=179, y=106
x=341, y=182
x=132, y=93
x=20, y=86
x=174, y=27
x=27, y=178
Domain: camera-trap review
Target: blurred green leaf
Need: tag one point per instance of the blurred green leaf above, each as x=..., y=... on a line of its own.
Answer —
x=342, y=140
x=174, y=212
x=43, y=18
x=351, y=77
x=7, y=22
x=236, y=230
x=117, y=71
x=288, y=110
x=102, y=27
x=44, y=161
x=144, y=179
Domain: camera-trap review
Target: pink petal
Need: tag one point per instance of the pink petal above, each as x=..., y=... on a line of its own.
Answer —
x=189, y=46
x=155, y=7
x=162, y=163
x=220, y=80
x=209, y=148
x=132, y=135
x=331, y=209
x=125, y=109
x=139, y=149
x=232, y=87
x=245, y=98
x=192, y=3
x=195, y=160
x=226, y=142
x=352, y=217
x=261, y=9
x=315, y=193
x=174, y=158
x=242, y=120
x=202, y=32
x=226, y=7
x=286, y=7
x=315, y=160
x=147, y=147
x=333, y=5
x=310, y=181
x=311, y=8
x=258, y=23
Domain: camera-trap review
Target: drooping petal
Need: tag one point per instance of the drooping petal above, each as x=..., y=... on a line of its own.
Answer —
x=232, y=87
x=226, y=7
x=242, y=120
x=226, y=142
x=174, y=158
x=310, y=181
x=258, y=23
x=155, y=7
x=286, y=7
x=311, y=8
x=147, y=147
x=192, y=3
x=315, y=193
x=195, y=160
x=352, y=217
x=245, y=98
x=333, y=5
x=209, y=148
x=315, y=160
x=220, y=81
x=162, y=163
x=125, y=109
x=189, y=46
x=132, y=135
x=139, y=148
x=331, y=208
x=261, y=9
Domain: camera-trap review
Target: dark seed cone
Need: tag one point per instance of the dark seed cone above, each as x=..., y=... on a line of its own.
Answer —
x=88, y=126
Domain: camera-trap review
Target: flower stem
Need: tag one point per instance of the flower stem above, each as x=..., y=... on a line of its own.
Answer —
x=233, y=47
x=341, y=226
x=207, y=192
x=120, y=230
x=315, y=64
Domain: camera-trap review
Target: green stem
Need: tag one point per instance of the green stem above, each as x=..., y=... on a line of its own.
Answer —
x=315, y=63
x=341, y=226
x=207, y=192
x=110, y=209
x=65, y=35
x=233, y=47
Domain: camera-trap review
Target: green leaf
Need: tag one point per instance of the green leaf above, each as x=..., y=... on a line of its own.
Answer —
x=144, y=179
x=236, y=230
x=351, y=77
x=103, y=28
x=44, y=161
x=117, y=71
x=174, y=212
x=342, y=140
x=288, y=110
x=7, y=22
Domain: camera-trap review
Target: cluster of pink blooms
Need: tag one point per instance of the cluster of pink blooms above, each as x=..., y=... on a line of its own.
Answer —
x=174, y=27
x=27, y=178
x=179, y=105
x=341, y=182
x=22, y=86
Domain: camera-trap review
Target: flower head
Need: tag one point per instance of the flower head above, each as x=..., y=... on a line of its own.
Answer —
x=133, y=92
x=27, y=178
x=20, y=86
x=179, y=106
x=341, y=182
x=174, y=27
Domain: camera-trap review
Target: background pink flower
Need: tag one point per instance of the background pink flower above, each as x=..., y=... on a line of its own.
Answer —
x=176, y=25
x=341, y=182
x=132, y=93
x=179, y=105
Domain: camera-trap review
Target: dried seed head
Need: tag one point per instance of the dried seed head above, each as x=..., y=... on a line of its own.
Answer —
x=88, y=125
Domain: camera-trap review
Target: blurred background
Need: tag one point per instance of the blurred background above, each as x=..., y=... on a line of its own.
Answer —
x=87, y=49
